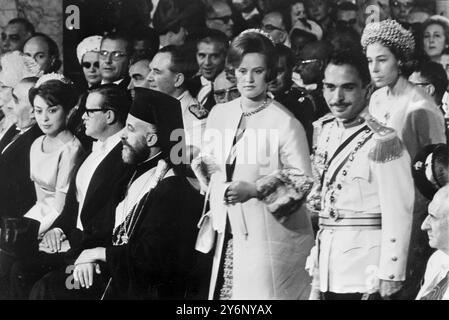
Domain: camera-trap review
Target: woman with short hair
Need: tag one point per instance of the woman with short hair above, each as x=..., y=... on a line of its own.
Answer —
x=88, y=54
x=54, y=156
x=435, y=37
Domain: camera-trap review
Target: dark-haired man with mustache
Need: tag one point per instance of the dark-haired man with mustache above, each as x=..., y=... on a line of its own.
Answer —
x=365, y=192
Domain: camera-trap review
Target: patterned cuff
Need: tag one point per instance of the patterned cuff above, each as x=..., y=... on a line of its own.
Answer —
x=284, y=191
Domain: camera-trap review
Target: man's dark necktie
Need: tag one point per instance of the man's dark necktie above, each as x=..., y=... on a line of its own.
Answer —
x=210, y=101
x=439, y=290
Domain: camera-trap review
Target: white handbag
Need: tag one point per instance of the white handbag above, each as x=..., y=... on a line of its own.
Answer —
x=205, y=240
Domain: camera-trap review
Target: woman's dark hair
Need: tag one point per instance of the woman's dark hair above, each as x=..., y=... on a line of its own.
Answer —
x=53, y=52
x=253, y=42
x=55, y=92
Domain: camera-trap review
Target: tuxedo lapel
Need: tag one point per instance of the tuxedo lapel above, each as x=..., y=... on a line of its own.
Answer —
x=194, y=86
x=105, y=169
x=7, y=137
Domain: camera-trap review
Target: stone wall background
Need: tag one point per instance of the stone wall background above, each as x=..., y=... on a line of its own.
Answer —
x=45, y=15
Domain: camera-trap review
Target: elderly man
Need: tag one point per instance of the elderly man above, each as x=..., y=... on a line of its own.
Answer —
x=44, y=51
x=17, y=193
x=436, y=278
x=225, y=88
x=115, y=53
x=16, y=33
x=432, y=78
x=139, y=68
x=210, y=56
x=153, y=238
x=364, y=192
x=169, y=69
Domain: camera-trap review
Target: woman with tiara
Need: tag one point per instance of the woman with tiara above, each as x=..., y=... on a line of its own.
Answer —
x=255, y=165
x=407, y=109
x=54, y=156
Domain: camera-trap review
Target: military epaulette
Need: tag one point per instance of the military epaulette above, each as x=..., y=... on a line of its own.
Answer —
x=198, y=111
x=318, y=126
x=329, y=117
x=388, y=146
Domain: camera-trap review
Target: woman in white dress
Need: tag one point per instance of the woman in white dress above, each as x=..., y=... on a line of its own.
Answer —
x=55, y=156
x=255, y=162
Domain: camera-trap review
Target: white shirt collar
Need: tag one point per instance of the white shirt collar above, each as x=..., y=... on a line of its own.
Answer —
x=251, y=14
x=205, y=82
x=116, y=82
x=107, y=144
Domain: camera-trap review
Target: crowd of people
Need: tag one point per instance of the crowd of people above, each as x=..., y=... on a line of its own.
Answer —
x=242, y=149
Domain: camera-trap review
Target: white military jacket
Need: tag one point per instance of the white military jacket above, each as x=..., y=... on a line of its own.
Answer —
x=366, y=210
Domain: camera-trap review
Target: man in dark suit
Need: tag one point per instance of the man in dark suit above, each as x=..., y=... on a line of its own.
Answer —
x=211, y=53
x=152, y=247
x=115, y=52
x=84, y=221
x=17, y=194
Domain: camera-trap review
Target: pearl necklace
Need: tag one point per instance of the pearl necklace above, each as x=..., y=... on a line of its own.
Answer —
x=258, y=109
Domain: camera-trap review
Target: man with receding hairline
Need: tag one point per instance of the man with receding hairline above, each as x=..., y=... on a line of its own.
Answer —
x=436, y=278
x=16, y=33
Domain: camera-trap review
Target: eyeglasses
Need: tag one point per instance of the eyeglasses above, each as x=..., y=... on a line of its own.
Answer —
x=225, y=95
x=407, y=5
x=346, y=23
x=12, y=37
x=305, y=62
x=90, y=112
x=421, y=83
x=270, y=28
x=116, y=55
x=224, y=19
x=86, y=65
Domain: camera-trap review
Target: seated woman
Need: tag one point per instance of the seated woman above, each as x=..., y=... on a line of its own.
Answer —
x=54, y=156
x=255, y=162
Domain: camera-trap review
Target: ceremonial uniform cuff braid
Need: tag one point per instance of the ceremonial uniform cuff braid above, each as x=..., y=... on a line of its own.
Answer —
x=284, y=191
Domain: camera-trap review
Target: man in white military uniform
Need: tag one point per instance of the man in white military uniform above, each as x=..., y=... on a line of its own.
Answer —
x=169, y=69
x=365, y=192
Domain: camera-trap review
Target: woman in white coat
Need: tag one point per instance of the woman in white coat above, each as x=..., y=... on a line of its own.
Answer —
x=255, y=163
